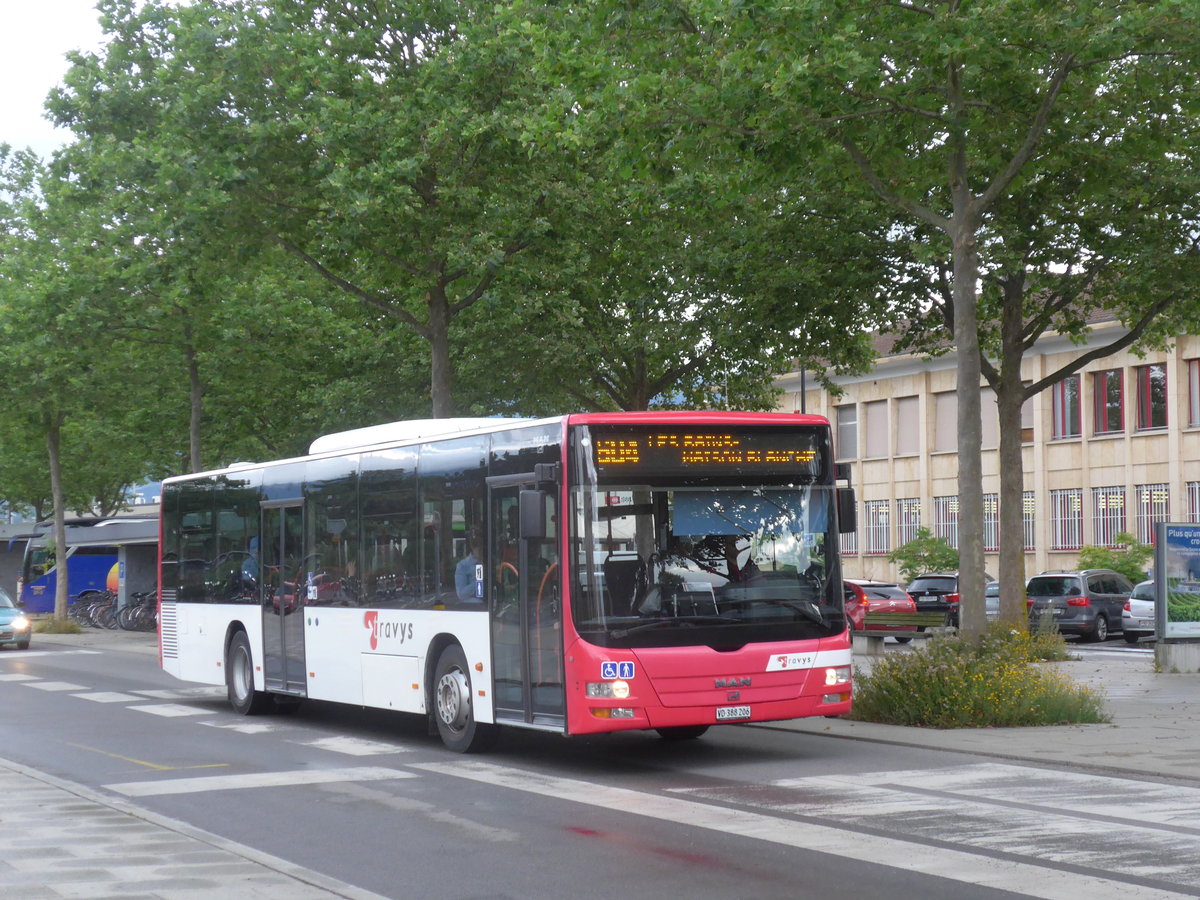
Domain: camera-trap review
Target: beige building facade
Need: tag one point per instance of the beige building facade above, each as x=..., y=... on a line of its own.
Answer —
x=1113, y=448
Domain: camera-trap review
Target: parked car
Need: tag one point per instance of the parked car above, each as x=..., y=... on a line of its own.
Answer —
x=1137, y=618
x=991, y=600
x=1087, y=602
x=863, y=596
x=15, y=626
x=938, y=592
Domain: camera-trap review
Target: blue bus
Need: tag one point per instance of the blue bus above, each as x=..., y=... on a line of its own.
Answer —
x=93, y=551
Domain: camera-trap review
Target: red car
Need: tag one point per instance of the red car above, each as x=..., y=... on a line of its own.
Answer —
x=877, y=597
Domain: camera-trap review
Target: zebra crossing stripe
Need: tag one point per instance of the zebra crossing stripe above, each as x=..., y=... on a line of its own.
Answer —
x=254, y=780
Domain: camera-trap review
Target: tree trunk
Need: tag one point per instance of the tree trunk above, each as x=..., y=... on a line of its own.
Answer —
x=972, y=618
x=196, y=411
x=441, y=384
x=1010, y=396
x=53, y=451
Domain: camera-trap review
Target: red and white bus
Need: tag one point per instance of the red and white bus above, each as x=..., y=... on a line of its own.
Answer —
x=582, y=574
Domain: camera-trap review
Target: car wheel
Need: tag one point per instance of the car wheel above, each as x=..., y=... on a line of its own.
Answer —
x=1132, y=637
x=1099, y=632
x=23, y=645
x=239, y=678
x=681, y=732
x=453, y=711
x=903, y=640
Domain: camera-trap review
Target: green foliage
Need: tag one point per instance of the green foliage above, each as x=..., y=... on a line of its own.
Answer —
x=56, y=625
x=924, y=553
x=1131, y=557
x=996, y=681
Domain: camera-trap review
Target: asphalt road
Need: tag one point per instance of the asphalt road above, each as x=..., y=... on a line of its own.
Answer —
x=370, y=799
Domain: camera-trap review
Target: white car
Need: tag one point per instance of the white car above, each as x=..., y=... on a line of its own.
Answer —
x=1137, y=618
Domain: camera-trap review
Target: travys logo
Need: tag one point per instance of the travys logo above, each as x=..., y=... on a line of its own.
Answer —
x=401, y=631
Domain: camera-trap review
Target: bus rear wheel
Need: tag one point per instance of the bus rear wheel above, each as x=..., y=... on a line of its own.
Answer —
x=239, y=678
x=453, y=712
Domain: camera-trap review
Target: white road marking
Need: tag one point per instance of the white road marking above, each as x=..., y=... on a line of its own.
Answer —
x=25, y=654
x=172, y=710
x=107, y=697
x=55, y=686
x=18, y=676
x=255, y=780
x=243, y=727
x=1028, y=878
x=353, y=746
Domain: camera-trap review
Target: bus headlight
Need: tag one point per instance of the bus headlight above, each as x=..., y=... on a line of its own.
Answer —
x=837, y=675
x=607, y=690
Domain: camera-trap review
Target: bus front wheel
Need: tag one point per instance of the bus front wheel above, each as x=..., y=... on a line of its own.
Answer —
x=239, y=678
x=453, y=711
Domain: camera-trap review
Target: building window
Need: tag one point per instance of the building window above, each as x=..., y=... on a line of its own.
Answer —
x=1065, y=407
x=877, y=531
x=908, y=520
x=1108, y=515
x=1193, y=369
x=875, y=418
x=1108, y=390
x=1066, y=519
x=908, y=426
x=991, y=523
x=1193, y=501
x=1153, y=506
x=1027, y=416
x=945, y=519
x=945, y=422
x=989, y=419
x=847, y=432
x=1028, y=519
x=1152, y=395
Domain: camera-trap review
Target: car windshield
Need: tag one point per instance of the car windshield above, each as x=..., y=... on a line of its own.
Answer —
x=1144, y=591
x=5, y=600
x=1053, y=587
x=721, y=566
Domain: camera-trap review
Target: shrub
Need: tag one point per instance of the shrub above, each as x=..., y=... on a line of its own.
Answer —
x=1130, y=558
x=924, y=553
x=993, y=682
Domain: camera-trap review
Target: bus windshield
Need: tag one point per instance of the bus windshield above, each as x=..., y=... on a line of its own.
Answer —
x=722, y=565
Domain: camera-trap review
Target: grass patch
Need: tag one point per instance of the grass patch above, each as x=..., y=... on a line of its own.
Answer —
x=996, y=681
x=51, y=625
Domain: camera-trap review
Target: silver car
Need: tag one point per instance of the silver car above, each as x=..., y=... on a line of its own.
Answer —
x=1137, y=618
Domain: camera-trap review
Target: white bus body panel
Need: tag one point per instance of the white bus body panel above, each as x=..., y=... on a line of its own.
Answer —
x=365, y=657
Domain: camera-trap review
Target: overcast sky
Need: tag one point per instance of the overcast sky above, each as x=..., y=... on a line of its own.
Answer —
x=34, y=40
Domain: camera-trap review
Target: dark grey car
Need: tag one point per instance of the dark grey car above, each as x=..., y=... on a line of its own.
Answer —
x=938, y=592
x=1087, y=602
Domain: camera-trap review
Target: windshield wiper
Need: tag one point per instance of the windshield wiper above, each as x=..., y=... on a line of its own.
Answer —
x=682, y=621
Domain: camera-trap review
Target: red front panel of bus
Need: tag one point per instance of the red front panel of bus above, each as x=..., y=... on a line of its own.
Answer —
x=683, y=686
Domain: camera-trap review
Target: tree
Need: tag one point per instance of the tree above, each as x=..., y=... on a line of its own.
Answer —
x=954, y=118
x=924, y=553
x=380, y=146
x=1130, y=557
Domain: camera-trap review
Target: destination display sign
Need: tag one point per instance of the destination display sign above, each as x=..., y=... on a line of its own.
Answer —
x=675, y=451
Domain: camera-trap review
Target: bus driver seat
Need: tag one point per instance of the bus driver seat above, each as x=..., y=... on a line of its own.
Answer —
x=623, y=579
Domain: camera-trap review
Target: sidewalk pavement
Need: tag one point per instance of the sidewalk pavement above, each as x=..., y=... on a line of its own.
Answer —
x=1154, y=732
x=59, y=839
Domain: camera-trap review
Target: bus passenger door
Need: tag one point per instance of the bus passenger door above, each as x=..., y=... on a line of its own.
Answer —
x=284, y=587
x=526, y=610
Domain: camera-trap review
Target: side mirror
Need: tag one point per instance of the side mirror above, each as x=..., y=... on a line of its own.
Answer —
x=532, y=513
x=846, y=511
